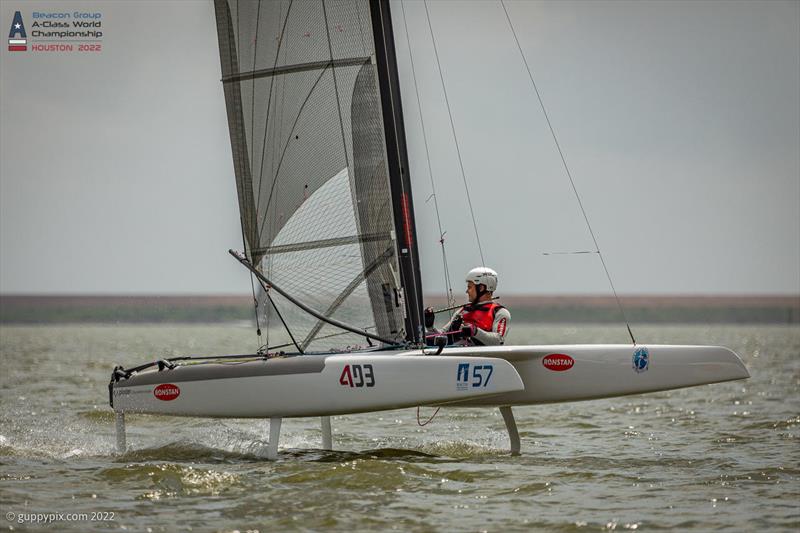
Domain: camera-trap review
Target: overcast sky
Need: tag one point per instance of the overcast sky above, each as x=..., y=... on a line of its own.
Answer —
x=680, y=122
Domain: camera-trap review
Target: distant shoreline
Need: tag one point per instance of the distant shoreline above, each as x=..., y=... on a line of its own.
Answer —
x=35, y=309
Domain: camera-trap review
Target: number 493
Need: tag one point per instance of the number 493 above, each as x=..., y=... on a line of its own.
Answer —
x=359, y=376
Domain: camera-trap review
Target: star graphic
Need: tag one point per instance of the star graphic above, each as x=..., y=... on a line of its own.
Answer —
x=17, y=25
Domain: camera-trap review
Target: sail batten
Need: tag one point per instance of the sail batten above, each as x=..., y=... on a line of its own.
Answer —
x=307, y=130
x=323, y=243
x=289, y=69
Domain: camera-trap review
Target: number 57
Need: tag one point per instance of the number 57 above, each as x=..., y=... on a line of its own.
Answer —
x=481, y=375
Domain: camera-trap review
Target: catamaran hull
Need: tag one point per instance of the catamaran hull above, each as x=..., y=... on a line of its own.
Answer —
x=568, y=373
x=334, y=384
x=314, y=385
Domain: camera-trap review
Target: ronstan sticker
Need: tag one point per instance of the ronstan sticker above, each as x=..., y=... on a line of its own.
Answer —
x=558, y=362
x=166, y=392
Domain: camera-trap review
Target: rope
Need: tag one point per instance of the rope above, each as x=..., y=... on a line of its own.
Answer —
x=421, y=424
x=455, y=137
x=448, y=286
x=569, y=174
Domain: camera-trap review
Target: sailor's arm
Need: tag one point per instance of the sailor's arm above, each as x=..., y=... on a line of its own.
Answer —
x=497, y=336
x=455, y=322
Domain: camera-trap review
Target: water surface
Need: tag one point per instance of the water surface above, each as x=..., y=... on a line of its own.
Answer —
x=722, y=456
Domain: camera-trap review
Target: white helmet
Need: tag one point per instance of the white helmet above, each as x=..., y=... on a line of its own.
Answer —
x=483, y=275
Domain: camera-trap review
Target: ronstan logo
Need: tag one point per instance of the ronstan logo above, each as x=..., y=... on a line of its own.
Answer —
x=167, y=392
x=558, y=362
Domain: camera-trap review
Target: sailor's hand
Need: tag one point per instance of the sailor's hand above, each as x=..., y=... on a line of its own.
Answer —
x=455, y=325
x=430, y=317
x=468, y=331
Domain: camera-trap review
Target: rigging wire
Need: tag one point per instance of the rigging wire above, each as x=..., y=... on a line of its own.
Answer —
x=244, y=237
x=263, y=147
x=339, y=334
x=252, y=163
x=265, y=287
x=455, y=137
x=569, y=174
x=255, y=298
x=448, y=285
x=279, y=121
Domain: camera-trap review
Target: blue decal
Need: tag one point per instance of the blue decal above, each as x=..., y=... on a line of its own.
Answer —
x=17, y=28
x=462, y=379
x=641, y=360
x=481, y=374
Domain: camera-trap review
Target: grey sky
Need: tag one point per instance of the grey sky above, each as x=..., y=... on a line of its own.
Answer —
x=680, y=122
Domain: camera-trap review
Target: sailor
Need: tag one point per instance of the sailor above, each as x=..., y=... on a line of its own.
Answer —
x=482, y=322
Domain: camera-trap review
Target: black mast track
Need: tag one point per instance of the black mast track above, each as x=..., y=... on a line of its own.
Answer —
x=399, y=181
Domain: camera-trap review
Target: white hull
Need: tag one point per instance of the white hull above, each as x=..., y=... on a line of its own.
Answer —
x=318, y=385
x=314, y=385
x=606, y=371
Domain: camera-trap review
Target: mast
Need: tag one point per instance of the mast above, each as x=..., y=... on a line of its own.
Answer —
x=397, y=161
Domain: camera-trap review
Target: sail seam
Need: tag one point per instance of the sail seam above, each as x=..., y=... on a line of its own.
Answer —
x=335, y=85
x=266, y=125
x=283, y=154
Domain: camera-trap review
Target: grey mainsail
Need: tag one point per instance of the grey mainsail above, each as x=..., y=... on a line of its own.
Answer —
x=307, y=132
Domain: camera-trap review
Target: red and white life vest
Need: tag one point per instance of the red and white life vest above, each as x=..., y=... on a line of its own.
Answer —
x=481, y=315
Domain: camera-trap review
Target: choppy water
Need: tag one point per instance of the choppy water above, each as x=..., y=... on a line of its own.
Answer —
x=723, y=456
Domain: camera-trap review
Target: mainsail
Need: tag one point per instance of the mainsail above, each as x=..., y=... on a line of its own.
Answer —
x=321, y=217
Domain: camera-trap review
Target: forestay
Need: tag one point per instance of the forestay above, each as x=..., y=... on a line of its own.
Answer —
x=301, y=89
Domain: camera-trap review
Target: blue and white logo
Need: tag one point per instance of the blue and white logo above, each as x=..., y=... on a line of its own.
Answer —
x=462, y=380
x=641, y=360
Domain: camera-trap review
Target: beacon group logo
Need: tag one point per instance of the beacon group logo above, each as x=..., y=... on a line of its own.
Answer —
x=17, y=38
x=57, y=32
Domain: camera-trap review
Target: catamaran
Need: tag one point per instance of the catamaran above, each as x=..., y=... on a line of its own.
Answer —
x=327, y=215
